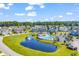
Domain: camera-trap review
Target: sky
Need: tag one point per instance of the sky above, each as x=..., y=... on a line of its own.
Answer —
x=39, y=12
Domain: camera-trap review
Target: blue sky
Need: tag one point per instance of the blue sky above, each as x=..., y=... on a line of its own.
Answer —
x=23, y=12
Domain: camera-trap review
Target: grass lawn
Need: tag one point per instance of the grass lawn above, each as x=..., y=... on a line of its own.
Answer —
x=0, y=52
x=13, y=42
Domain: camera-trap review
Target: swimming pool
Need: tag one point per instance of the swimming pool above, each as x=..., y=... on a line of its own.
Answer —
x=46, y=37
x=74, y=33
x=36, y=45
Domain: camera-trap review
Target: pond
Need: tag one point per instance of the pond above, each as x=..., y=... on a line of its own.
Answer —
x=36, y=45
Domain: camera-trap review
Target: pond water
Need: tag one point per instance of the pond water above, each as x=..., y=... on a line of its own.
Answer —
x=36, y=45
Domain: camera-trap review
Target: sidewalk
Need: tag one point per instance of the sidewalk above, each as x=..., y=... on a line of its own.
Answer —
x=5, y=49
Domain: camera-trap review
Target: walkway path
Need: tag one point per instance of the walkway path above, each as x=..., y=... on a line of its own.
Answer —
x=6, y=49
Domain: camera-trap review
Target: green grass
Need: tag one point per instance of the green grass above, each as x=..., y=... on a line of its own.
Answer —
x=0, y=52
x=13, y=42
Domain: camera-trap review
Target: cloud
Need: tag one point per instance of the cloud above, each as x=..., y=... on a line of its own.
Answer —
x=72, y=19
x=2, y=6
x=30, y=20
x=29, y=8
x=1, y=13
x=34, y=3
x=69, y=13
x=19, y=14
x=42, y=6
x=10, y=4
x=60, y=16
x=32, y=13
x=7, y=7
x=46, y=19
x=52, y=17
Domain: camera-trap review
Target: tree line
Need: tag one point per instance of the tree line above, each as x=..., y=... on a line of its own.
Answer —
x=63, y=23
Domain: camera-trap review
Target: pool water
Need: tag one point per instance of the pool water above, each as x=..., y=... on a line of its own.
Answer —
x=36, y=45
x=74, y=33
x=46, y=37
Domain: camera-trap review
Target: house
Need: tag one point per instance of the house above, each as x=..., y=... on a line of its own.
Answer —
x=19, y=29
x=39, y=28
x=61, y=38
x=63, y=28
x=5, y=31
x=53, y=29
x=75, y=44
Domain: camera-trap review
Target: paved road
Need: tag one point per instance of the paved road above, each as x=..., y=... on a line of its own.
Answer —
x=2, y=54
x=6, y=49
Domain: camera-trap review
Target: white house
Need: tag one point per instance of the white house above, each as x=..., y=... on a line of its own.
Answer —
x=64, y=28
x=5, y=31
x=19, y=29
